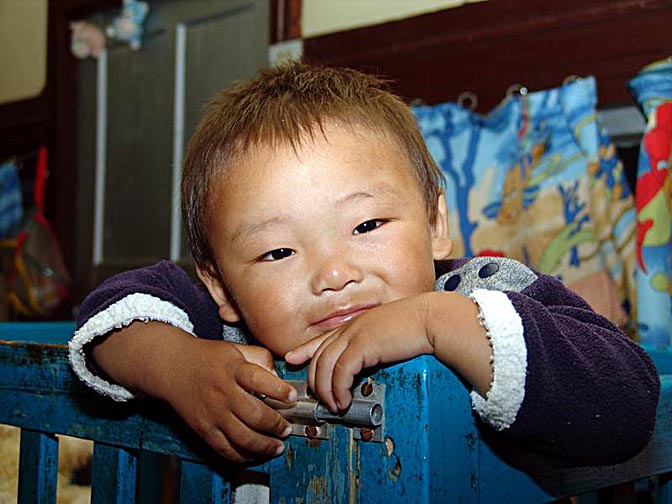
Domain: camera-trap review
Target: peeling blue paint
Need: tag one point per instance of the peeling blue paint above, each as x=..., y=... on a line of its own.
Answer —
x=433, y=451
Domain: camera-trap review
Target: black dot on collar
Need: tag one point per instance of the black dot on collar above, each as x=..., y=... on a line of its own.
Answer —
x=488, y=270
x=452, y=283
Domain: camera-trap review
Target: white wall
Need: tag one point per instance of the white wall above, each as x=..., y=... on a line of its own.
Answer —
x=23, y=49
x=326, y=16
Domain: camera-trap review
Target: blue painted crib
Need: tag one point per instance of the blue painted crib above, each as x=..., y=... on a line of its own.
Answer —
x=413, y=462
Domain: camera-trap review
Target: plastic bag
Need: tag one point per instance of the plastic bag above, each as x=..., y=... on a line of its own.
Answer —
x=39, y=282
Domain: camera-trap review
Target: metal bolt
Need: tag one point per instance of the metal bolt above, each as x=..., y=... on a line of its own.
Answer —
x=367, y=389
x=365, y=434
x=310, y=431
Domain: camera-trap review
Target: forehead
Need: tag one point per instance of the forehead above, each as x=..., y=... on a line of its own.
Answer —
x=334, y=154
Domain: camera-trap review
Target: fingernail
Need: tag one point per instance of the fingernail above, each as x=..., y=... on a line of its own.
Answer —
x=292, y=396
x=280, y=449
x=338, y=405
x=287, y=431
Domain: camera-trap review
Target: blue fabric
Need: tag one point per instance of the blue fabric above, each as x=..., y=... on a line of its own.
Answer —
x=11, y=200
x=538, y=180
x=652, y=89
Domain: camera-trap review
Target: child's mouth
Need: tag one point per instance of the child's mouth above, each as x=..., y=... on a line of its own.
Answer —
x=341, y=317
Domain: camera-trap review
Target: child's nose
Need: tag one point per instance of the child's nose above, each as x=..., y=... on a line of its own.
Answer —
x=335, y=272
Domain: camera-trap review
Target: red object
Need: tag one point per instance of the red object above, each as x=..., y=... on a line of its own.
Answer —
x=657, y=142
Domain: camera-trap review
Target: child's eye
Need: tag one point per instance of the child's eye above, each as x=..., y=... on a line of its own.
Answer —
x=277, y=254
x=368, y=226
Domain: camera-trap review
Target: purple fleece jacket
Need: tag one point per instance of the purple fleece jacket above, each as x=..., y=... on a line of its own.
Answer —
x=566, y=382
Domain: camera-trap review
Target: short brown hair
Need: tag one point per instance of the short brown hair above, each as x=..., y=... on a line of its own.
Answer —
x=279, y=107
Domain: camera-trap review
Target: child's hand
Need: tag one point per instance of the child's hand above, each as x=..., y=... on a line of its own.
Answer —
x=388, y=333
x=212, y=387
x=210, y=383
x=440, y=323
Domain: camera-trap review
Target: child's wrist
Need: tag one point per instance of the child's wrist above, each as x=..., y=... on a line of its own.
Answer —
x=156, y=354
x=443, y=318
x=458, y=339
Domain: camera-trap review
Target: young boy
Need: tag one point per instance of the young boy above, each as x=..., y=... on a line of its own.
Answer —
x=317, y=222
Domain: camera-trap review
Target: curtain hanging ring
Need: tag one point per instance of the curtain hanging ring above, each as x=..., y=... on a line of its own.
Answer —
x=468, y=100
x=417, y=102
x=518, y=89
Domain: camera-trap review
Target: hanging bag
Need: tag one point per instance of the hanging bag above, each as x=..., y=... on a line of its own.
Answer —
x=39, y=282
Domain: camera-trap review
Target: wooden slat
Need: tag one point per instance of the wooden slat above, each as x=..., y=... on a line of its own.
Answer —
x=285, y=20
x=113, y=478
x=38, y=467
x=663, y=489
x=37, y=332
x=200, y=483
x=36, y=381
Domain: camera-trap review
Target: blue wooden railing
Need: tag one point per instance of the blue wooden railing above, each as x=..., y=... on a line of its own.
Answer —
x=432, y=451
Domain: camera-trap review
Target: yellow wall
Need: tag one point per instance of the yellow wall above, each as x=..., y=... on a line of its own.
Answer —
x=23, y=48
x=327, y=16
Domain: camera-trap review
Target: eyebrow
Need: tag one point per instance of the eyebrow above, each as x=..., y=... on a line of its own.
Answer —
x=247, y=230
x=379, y=190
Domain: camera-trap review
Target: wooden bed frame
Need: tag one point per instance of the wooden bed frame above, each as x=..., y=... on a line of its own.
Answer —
x=432, y=448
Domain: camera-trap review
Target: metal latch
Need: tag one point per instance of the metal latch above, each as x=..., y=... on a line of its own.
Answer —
x=309, y=417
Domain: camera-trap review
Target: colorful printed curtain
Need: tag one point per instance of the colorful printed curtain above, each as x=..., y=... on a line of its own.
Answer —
x=652, y=89
x=538, y=180
x=11, y=200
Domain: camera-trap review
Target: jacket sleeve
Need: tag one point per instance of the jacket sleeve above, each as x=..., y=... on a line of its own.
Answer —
x=162, y=292
x=566, y=382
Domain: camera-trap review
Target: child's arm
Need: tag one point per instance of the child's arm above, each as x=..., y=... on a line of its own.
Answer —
x=564, y=380
x=443, y=324
x=207, y=382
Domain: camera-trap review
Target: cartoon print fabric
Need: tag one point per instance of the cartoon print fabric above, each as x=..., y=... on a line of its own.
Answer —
x=11, y=200
x=652, y=89
x=538, y=180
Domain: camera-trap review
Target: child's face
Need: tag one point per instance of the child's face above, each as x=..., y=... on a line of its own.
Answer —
x=307, y=242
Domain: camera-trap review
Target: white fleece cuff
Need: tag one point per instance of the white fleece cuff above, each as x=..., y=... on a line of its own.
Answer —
x=133, y=307
x=509, y=359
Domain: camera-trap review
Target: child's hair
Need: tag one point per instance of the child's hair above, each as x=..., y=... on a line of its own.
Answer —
x=283, y=106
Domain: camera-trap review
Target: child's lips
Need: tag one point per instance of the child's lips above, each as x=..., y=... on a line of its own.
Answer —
x=340, y=317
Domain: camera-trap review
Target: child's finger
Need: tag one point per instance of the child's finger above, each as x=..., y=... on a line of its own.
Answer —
x=257, y=355
x=244, y=438
x=315, y=360
x=305, y=351
x=219, y=442
x=324, y=372
x=350, y=363
x=259, y=381
x=260, y=417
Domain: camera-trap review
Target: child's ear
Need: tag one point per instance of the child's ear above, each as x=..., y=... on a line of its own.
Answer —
x=441, y=244
x=228, y=309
